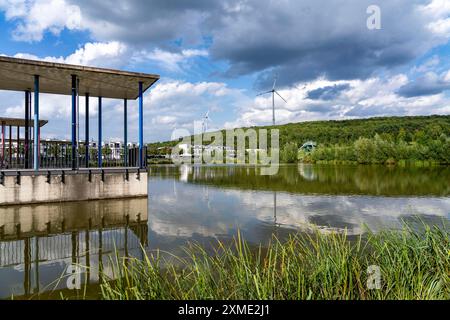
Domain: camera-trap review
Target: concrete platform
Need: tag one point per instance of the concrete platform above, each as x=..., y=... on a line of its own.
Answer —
x=28, y=187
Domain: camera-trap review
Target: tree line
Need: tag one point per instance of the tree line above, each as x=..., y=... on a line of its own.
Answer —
x=372, y=140
x=376, y=141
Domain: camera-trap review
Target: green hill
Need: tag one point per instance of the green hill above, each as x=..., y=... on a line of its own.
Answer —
x=347, y=131
x=418, y=137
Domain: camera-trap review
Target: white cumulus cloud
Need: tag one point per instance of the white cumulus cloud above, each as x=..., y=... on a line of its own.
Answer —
x=34, y=18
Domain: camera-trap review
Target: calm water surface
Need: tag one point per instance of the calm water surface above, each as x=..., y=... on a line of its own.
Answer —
x=206, y=203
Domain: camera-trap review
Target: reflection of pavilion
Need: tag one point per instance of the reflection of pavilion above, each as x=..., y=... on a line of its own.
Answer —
x=83, y=233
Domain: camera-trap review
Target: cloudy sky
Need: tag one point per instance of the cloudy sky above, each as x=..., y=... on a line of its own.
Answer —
x=217, y=55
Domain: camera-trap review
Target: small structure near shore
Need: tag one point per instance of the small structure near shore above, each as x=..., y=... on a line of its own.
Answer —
x=308, y=146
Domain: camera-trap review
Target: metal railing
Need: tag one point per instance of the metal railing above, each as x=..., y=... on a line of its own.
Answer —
x=58, y=155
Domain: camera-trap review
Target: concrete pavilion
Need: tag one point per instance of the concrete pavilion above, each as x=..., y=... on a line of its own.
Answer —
x=80, y=181
x=37, y=77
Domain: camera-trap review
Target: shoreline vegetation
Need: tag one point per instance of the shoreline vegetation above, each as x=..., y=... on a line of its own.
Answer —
x=414, y=265
x=382, y=149
x=419, y=141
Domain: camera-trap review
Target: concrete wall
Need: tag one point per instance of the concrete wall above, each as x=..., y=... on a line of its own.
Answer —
x=76, y=187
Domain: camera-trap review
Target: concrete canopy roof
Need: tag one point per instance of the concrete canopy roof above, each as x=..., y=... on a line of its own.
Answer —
x=18, y=75
x=16, y=122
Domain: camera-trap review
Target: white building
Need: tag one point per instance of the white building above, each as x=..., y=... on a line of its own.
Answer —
x=198, y=150
x=116, y=148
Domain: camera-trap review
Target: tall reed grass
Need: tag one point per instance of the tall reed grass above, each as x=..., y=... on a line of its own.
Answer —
x=413, y=265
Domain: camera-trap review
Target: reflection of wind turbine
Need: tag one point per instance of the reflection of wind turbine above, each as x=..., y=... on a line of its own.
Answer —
x=206, y=119
x=206, y=195
x=273, y=91
x=275, y=207
x=275, y=218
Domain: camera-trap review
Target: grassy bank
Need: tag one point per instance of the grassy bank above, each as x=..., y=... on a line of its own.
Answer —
x=414, y=265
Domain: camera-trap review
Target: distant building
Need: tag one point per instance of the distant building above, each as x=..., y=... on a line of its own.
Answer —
x=198, y=150
x=116, y=149
x=185, y=150
x=309, y=146
x=113, y=149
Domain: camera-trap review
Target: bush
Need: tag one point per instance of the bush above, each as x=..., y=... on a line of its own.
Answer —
x=365, y=150
x=289, y=154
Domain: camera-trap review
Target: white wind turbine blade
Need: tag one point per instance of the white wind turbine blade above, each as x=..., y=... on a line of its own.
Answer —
x=280, y=96
x=274, y=82
x=263, y=93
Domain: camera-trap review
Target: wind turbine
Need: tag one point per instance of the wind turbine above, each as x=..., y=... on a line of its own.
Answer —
x=206, y=119
x=273, y=92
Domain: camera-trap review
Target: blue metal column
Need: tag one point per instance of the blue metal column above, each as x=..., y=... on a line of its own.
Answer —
x=27, y=131
x=74, y=122
x=36, y=124
x=125, y=132
x=99, y=147
x=141, y=127
x=86, y=138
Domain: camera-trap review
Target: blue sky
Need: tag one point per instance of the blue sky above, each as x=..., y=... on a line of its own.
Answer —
x=217, y=55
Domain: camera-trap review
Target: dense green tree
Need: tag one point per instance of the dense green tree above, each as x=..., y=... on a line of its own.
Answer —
x=289, y=154
x=365, y=150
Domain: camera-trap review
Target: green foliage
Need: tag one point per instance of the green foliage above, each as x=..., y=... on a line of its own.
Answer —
x=373, y=140
x=413, y=265
x=379, y=150
x=106, y=150
x=348, y=131
x=289, y=154
x=365, y=150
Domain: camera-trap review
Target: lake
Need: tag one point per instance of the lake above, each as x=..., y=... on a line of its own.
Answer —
x=38, y=243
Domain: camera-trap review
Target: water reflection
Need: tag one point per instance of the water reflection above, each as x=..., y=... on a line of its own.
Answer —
x=38, y=243
x=316, y=179
x=205, y=203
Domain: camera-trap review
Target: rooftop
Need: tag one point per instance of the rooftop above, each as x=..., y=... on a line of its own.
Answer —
x=15, y=122
x=18, y=75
